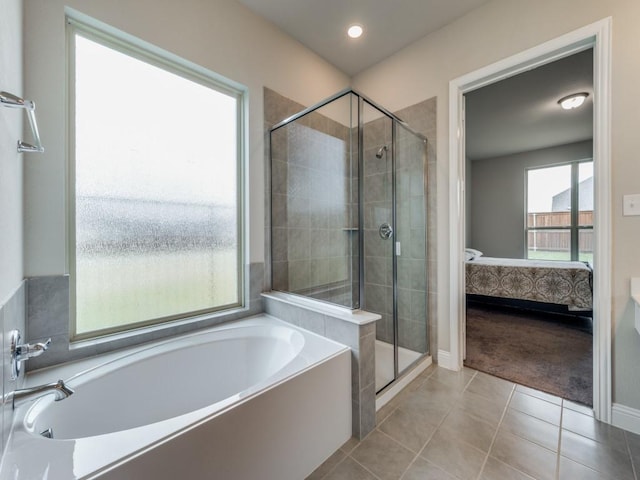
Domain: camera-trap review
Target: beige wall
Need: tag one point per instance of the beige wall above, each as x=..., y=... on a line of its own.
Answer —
x=495, y=31
x=496, y=226
x=220, y=35
x=10, y=161
x=225, y=37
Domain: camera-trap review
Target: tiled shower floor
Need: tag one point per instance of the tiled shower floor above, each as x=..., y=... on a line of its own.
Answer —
x=469, y=425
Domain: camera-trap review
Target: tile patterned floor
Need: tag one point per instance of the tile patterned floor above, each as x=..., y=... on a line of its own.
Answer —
x=471, y=426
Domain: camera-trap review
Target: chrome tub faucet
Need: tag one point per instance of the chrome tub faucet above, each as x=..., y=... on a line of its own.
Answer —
x=24, y=351
x=59, y=389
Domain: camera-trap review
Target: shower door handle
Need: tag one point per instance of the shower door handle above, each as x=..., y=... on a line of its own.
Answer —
x=385, y=231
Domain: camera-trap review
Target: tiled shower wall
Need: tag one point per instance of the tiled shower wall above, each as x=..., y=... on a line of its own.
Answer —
x=410, y=234
x=12, y=316
x=276, y=108
x=312, y=203
x=377, y=203
x=411, y=227
x=422, y=119
x=416, y=277
x=412, y=289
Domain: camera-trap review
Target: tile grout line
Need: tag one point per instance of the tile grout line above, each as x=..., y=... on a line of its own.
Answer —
x=493, y=440
x=334, y=467
x=376, y=477
x=438, y=428
x=394, y=440
x=394, y=409
x=418, y=455
x=559, y=440
x=342, y=460
x=348, y=455
x=633, y=464
x=412, y=462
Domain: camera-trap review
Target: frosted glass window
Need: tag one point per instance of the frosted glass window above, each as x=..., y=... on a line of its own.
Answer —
x=156, y=193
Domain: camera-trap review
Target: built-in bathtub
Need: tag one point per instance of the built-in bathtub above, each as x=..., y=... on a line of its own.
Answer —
x=256, y=398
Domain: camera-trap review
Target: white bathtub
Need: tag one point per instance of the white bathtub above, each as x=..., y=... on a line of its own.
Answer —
x=257, y=398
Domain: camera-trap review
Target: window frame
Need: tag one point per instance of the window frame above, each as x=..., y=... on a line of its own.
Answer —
x=575, y=228
x=148, y=53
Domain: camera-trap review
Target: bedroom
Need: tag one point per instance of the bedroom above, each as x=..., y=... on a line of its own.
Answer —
x=529, y=227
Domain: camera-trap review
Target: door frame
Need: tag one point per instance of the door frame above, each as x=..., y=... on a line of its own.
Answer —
x=597, y=36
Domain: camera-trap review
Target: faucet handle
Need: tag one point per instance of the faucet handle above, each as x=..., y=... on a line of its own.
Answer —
x=30, y=350
x=24, y=351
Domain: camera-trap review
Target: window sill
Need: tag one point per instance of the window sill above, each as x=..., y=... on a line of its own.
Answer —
x=152, y=332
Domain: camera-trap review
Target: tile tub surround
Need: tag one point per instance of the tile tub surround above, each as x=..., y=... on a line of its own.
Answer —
x=468, y=425
x=12, y=316
x=47, y=315
x=356, y=329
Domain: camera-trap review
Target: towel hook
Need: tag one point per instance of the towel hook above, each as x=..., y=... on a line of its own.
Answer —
x=12, y=101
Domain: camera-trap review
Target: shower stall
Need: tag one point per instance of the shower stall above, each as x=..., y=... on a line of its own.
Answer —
x=348, y=220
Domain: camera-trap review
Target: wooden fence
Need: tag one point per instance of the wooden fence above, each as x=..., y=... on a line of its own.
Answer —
x=558, y=219
x=558, y=240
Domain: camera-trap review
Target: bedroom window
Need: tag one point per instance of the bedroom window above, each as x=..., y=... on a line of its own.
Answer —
x=155, y=189
x=559, y=216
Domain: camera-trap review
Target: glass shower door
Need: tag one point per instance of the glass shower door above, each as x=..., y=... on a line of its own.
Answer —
x=348, y=226
x=377, y=196
x=410, y=238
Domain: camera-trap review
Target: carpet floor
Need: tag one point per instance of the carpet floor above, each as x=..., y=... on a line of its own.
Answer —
x=537, y=350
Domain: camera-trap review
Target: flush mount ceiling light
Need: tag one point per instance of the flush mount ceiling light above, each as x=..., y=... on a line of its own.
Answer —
x=573, y=101
x=354, y=31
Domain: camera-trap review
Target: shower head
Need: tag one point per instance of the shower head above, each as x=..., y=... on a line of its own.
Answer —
x=381, y=151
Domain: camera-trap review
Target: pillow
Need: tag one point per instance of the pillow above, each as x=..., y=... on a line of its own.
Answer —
x=473, y=252
x=468, y=256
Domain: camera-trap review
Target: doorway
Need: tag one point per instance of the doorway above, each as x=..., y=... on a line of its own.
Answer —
x=598, y=37
x=529, y=221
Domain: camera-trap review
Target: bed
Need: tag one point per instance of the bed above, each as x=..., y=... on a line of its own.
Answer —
x=551, y=282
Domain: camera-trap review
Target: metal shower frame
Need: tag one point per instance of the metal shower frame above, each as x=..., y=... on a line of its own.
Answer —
x=362, y=100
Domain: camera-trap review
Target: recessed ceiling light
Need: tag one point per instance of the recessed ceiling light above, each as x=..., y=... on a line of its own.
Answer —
x=573, y=101
x=354, y=31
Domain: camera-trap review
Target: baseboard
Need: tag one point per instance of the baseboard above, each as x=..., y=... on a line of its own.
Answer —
x=444, y=359
x=626, y=418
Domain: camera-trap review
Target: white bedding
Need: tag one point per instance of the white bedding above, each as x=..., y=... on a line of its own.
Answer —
x=520, y=262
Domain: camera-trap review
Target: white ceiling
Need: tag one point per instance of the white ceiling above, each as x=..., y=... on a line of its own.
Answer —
x=389, y=25
x=522, y=113
x=516, y=115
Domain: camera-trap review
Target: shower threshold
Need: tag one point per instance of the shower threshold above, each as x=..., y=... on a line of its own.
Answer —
x=384, y=370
